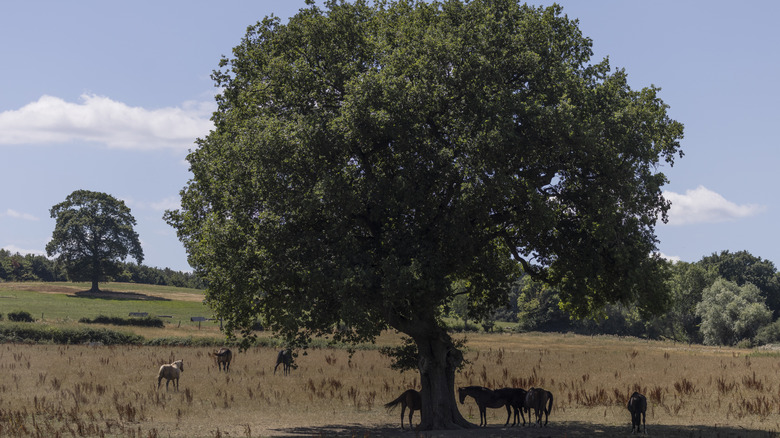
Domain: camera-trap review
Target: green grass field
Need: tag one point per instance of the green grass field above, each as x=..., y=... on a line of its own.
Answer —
x=65, y=303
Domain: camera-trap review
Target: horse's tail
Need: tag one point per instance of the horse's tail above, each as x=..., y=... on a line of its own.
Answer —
x=549, y=402
x=397, y=401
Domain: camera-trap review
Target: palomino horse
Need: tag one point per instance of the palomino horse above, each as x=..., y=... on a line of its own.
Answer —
x=223, y=357
x=285, y=358
x=637, y=405
x=484, y=397
x=411, y=399
x=541, y=402
x=515, y=399
x=170, y=372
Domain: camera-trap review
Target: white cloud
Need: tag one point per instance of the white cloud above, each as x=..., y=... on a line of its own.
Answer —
x=702, y=205
x=13, y=249
x=17, y=215
x=170, y=203
x=102, y=120
x=673, y=259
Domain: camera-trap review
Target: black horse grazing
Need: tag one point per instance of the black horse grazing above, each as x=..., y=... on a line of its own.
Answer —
x=223, y=356
x=541, y=402
x=637, y=405
x=515, y=399
x=285, y=358
x=411, y=399
x=485, y=398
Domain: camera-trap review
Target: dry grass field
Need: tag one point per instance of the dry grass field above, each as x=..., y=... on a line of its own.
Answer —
x=693, y=391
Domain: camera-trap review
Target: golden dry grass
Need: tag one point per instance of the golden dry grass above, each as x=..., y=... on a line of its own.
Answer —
x=52, y=390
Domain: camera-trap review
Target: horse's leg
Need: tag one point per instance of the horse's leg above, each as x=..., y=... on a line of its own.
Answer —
x=411, y=413
x=403, y=410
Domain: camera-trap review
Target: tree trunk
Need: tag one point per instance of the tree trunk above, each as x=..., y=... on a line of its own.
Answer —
x=438, y=361
x=94, y=286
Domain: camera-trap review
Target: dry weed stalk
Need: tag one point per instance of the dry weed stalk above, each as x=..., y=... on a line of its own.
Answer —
x=93, y=391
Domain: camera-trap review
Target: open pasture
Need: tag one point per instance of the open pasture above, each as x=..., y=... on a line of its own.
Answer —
x=56, y=390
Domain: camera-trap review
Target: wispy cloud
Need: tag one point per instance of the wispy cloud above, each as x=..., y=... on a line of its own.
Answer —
x=13, y=249
x=18, y=215
x=169, y=203
x=673, y=259
x=102, y=120
x=702, y=205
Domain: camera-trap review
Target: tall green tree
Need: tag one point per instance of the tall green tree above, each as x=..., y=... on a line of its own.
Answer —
x=730, y=313
x=742, y=267
x=366, y=156
x=93, y=232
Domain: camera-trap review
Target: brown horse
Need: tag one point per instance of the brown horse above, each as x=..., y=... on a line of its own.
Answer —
x=285, y=359
x=411, y=399
x=637, y=405
x=515, y=399
x=541, y=402
x=223, y=356
x=485, y=398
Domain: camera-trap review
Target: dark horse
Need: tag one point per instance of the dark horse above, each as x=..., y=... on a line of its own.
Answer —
x=484, y=397
x=637, y=405
x=411, y=399
x=541, y=402
x=285, y=359
x=515, y=399
x=223, y=357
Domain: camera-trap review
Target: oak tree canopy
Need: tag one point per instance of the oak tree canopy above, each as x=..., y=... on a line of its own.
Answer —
x=367, y=156
x=93, y=232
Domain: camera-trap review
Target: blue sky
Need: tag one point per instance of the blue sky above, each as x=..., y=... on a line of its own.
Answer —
x=109, y=96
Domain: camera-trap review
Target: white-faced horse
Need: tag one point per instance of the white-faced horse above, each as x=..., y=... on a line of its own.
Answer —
x=170, y=372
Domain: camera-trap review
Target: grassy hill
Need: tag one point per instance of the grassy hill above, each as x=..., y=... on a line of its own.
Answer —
x=62, y=304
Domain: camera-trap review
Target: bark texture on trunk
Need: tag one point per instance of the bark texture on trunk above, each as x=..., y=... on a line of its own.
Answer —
x=439, y=358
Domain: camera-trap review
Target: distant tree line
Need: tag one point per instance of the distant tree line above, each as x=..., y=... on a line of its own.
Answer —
x=29, y=267
x=723, y=299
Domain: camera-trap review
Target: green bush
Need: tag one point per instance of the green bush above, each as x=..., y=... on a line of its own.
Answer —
x=20, y=316
x=148, y=321
x=46, y=334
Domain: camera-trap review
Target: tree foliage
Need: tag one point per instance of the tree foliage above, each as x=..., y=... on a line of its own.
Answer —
x=730, y=313
x=93, y=232
x=366, y=157
x=741, y=267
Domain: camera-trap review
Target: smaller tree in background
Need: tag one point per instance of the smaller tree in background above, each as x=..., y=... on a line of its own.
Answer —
x=731, y=313
x=94, y=231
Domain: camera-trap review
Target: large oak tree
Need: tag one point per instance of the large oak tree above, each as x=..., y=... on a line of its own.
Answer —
x=93, y=232
x=368, y=156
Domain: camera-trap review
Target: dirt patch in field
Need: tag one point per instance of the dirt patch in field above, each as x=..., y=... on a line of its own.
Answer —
x=107, y=294
x=42, y=288
x=566, y=429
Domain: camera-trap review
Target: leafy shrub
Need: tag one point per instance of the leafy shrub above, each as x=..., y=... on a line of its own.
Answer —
x=20, y=316
x=148, y=321
x=730, y=313
x=768, y=334
x=46, y=334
